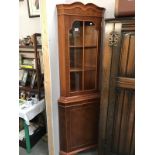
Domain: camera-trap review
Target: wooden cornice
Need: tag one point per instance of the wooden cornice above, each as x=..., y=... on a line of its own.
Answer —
x=80, y=9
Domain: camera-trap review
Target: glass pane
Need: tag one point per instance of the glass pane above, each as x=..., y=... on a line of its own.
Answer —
x=76, y=34
x=89, y=80
x=75, y=81
x=76, y=55
x=90, y=58
x=90, y=55
x=90, y=34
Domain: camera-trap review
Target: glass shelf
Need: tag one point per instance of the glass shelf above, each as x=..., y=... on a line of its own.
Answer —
x=81, y=69
x=81, y=46
x=76, y=69
x=89, y=68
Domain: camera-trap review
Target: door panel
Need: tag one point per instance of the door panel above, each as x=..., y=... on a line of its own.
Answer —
x=124, y=124
x=118, y=106
x=127, y=56
x=123, y=121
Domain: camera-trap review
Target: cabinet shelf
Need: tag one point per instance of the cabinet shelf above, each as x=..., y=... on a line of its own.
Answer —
x=87, y=46
x=74, y=46
x=26, y=88
x=38, y=134
x=89, y=68
x=30, y=64
x=76, y=69
x=29, y=49
x=80, y=69
x=31, y=69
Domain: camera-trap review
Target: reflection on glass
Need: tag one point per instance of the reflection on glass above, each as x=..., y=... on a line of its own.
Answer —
x=75, y=81
x=76, y=34
x=90, y=37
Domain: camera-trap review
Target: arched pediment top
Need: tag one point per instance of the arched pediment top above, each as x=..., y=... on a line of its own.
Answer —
x=80, y=9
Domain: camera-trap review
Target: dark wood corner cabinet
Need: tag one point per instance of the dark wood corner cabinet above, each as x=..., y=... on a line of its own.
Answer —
x=30, y=63
x=117, y=111
x=79, y=28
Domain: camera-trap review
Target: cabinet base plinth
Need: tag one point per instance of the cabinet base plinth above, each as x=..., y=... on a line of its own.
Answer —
x=78, y=150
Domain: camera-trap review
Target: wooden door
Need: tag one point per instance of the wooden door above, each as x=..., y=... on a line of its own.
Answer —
x=117, y=113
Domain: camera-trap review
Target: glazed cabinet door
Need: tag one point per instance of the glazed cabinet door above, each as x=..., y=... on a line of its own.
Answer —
x=117, y=115
x=83, y=56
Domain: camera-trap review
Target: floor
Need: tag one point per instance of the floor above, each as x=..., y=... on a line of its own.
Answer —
x=91, y=152
x=41, y=148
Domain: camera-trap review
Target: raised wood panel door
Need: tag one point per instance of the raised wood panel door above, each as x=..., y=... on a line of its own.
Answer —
x=117, y=115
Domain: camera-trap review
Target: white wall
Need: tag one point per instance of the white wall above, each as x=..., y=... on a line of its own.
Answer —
x=27, y=26
x=54, y=65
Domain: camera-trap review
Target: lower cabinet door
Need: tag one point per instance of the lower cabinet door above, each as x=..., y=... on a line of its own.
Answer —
x=78, y=125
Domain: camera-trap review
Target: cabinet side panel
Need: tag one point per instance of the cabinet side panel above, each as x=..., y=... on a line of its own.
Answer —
x=62, y=63
x=62, y=128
